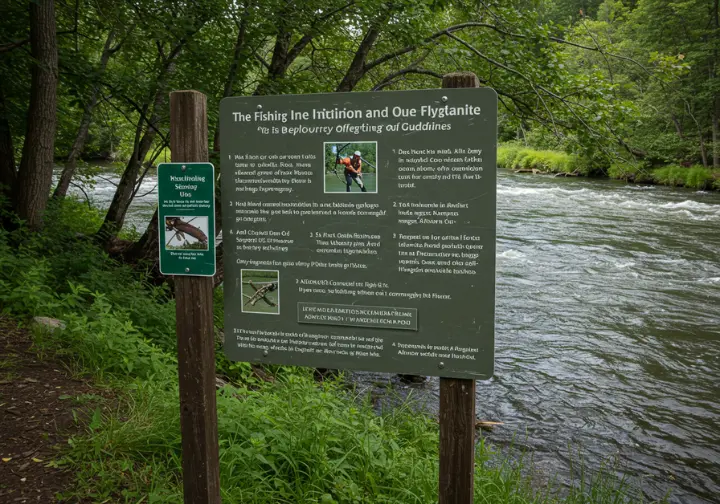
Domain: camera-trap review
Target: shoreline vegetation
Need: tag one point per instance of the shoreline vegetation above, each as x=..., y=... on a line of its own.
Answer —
x=284, y=437
x=521, y=159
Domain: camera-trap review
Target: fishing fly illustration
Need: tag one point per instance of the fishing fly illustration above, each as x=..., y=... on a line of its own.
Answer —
x=187, y=233
x=261, y=291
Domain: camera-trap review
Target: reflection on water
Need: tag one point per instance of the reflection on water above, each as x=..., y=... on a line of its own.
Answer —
x=608, y=328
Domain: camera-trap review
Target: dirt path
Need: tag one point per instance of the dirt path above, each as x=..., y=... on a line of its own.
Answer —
x=41, y=406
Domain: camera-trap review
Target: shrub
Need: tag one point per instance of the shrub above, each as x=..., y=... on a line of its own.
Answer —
x=516, y=157
x=507, y=153
x=577, y=165
x=630, y=172
x=672, y=175
x=70, y=216
x=699, y=177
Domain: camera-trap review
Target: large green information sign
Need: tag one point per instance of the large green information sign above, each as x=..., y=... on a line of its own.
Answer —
x=359, y=230
x=186, y=210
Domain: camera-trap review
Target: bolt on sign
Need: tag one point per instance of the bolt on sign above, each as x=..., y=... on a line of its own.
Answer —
x=360, y=230
x=186, y=213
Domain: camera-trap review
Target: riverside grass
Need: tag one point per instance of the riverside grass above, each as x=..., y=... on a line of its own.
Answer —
x=516, y=157
x=291, y=441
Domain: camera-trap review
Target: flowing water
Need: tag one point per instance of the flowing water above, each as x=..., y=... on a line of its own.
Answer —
x=100, y=192
x=608, y=329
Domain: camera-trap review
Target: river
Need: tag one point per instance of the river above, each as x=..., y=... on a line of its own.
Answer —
x=608, y=330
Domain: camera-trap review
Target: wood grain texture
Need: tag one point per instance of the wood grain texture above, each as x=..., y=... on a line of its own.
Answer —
x=457, y=401
x=457, y=440
x=195, y=334
x=34, y=177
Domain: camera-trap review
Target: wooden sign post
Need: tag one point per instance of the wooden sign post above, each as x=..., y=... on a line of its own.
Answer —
x=457, y=402
x=364, y=231
x=195, y=335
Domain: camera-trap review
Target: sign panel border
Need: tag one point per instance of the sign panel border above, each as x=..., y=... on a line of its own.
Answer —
x=211, y=239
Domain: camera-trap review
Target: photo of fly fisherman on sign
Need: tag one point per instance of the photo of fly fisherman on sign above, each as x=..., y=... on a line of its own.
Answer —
x=186, y=233
x=350, y=167
x=261, y=291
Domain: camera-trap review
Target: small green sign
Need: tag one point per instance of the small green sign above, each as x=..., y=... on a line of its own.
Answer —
x=186, y=213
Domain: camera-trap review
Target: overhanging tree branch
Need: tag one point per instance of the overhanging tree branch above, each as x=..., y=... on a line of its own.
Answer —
x=14, y=45
x=519, y=74
x=474, y=24
x=390, y=79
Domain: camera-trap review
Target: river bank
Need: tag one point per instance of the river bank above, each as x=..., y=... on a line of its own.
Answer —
x=522, y=159
x=607, y=331
x=283, y=437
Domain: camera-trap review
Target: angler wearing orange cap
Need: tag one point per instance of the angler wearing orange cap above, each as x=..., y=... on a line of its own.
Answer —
x=353, y=171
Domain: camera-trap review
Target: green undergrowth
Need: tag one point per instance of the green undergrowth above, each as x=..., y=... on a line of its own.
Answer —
x=694, y=177
x=519, y=158
x=288, y=441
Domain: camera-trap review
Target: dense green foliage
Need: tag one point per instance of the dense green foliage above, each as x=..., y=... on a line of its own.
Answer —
x=518, y=158
x=291, y=441
x=595, y=78
x=600, y=80
x=660, y=59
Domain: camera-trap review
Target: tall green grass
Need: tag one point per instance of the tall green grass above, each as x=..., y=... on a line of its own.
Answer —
x=631, y=172
x=701, y=178
x=517, y=157
x=694, y=177
x=291, y=441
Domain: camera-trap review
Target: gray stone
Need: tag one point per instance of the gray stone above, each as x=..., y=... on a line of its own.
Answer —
x=49, y=323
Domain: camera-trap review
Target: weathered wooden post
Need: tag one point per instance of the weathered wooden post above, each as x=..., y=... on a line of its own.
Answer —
x=195, y=334
x=457, y=402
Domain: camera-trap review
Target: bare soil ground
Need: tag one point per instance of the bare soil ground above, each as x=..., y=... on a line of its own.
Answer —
x=42, y=404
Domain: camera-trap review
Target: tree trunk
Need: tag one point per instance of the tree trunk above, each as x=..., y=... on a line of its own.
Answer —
x=82, y=134
x=115, y=217
x=36, y=166
x=716, y=133
x=146, y=248
x=7, y=152
x=678, y=126
x=279, y=63
x=703, y=151
x=356, y=70
x=232, y=74
x=219, y=277
x=283, y=56
x=716, y=102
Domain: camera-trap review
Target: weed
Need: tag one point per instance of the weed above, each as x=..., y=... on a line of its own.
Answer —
x=671, y=175
x=699, y=177
x=630, y=172
x=516, y=157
